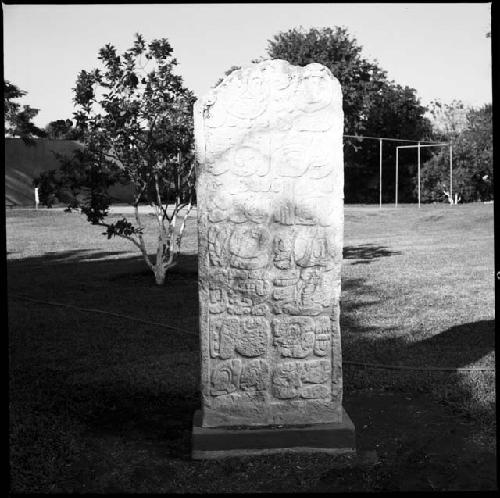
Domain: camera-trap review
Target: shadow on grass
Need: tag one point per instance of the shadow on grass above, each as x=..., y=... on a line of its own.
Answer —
x=366, y=253
x=464, y=344
x=121, y=402
x=460, y=346
x=69, y=256
x=137, y=383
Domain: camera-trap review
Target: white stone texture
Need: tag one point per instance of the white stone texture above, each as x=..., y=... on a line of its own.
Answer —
x=270, y=183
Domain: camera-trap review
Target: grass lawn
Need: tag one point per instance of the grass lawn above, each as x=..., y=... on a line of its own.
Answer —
x=104, y=403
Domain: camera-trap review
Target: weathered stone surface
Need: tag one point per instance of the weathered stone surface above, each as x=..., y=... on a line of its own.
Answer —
x=270, y=217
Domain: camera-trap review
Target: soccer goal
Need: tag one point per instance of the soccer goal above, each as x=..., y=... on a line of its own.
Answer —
x=418, y=147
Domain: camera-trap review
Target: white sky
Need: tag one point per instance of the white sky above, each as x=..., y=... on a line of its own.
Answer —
x=439, y=49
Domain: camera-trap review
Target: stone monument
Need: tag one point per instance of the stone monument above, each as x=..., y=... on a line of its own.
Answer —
x=270, y=183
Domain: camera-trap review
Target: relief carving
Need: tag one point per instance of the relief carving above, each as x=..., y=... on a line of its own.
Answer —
x=307, y=211
x=315, y=392
x=260, y=309
x=249, y=96
x=217, y=299
x=257, y=209
x=225, y=377
x=253, y=337
x=320, y=162
x=315, y=372
x=286, y=279
x=217, y=208
x=248, y=161
x=283, y=247
x=249, y=337
x=238, y=304
x=316, y=90
x=285, y=213
x=310, y=250
x=270, y=183
x=255, y=376
x=258, y=287
x=309, y=291
x=223, y=335
x=215, y=116
x=307, y=295
x=307, y=379
x=315, y=122
x=294, y=336
x=322, y=336
x=305, y=214
x=249, y=247
x=286, y=381
x=217, y=245
x=289, y=159
x=256, y=184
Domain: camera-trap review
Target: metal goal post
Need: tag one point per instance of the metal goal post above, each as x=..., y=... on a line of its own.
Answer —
x=380, y=140
x=419, y=146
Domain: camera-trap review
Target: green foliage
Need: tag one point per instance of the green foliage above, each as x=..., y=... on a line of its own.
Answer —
x=448, y=120
x=81, y=181
x=142, y=118
x=373, y=106
x=135, y=115
x=395, y=112
x=471, y=135
x=18, y=119
x=122, y=227
x=63, y=129
x=137, y=119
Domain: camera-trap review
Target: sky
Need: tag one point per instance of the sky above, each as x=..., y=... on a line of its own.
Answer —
x=441, y=50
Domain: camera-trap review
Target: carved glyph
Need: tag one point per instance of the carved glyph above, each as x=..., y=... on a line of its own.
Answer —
x=270, y=211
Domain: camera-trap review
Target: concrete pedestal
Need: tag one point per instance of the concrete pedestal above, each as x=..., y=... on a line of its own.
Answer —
x=220, y=442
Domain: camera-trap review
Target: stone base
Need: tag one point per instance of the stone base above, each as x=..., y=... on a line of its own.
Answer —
x=220, y=442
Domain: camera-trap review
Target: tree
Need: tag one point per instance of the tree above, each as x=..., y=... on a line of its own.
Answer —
x=338, y=51
x=63, y=129
x=373, y=106
x=472, y=145
x=396, y=112
x=18, y=119
x=136, y=116
x=448, y=120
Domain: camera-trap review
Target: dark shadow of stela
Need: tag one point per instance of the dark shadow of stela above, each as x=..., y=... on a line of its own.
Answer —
x=132, y=409
x=366, y=253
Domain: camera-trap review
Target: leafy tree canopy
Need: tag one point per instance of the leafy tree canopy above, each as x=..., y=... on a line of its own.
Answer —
x=136, y=118
x=18, y=119
x=470, y=133
x=63, y=129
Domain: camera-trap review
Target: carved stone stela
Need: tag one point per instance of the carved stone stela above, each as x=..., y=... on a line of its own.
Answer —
x=270, y=215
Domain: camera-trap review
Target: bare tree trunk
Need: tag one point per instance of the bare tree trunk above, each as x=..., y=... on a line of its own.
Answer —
x=169, y=240
x=159, y=269
x=141, y=244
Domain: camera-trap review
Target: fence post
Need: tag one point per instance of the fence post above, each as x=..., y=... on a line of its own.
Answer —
x=418, y=149
x=396, y=192
x=380, y=174
x=451, y=173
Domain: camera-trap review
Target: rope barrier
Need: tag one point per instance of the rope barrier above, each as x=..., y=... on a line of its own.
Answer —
x=185, y=331
x=93, y=310
x=424, y=369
